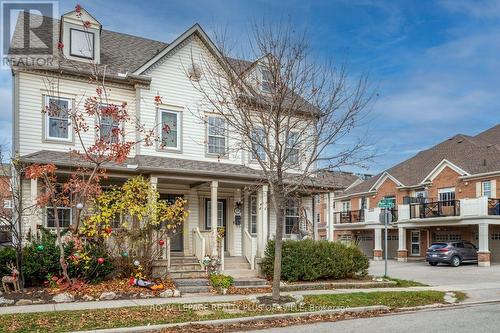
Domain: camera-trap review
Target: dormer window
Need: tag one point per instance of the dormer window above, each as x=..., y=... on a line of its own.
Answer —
x=267, y=80
x=81, y=43
x=81, y=36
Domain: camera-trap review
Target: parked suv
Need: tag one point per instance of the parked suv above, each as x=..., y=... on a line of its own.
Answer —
x=453, y=253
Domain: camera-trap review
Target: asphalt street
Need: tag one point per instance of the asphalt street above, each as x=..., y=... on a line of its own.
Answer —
x=478, y=318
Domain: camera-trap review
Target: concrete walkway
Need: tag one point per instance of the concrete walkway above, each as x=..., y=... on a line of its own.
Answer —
x=188, y=298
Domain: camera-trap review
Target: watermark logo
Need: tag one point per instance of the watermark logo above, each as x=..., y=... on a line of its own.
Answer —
x=27, y=32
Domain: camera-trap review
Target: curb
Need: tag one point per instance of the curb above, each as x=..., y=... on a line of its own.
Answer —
x=149, y=328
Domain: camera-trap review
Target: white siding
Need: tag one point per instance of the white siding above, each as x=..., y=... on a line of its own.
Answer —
x=33, y=88
x=170, y=81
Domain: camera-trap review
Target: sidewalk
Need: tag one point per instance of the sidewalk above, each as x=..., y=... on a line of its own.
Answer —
x=188, y=298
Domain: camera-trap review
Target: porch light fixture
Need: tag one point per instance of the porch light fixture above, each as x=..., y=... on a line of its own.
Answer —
x=79, y=206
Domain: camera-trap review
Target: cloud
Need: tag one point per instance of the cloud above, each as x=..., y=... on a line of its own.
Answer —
x=489, y=9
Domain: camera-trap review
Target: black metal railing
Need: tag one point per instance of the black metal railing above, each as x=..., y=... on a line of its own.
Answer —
x=394, y=213
x=352, y=216
x=493, y=206
x=435, y=209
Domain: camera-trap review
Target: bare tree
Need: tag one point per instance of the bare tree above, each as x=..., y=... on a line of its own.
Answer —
x=291, y=114
x=11, y=217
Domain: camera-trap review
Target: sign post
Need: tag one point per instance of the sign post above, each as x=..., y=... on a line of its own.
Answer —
x=385, y=218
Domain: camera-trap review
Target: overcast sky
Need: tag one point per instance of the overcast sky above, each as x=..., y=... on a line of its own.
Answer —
x=435, y=64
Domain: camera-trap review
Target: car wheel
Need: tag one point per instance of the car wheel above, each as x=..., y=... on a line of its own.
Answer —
x=433, y=263
x=455, y=261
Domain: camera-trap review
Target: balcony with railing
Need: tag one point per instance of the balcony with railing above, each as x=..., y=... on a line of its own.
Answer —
x=351, y=216
x=434, y=209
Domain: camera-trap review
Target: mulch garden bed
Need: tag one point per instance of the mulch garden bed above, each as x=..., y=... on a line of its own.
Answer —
x=87, y=292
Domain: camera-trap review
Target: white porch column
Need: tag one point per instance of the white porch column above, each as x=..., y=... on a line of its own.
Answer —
x=402, y=251
x=329, y=216
x=483, y=254
x=213, y=215
x=377, y=251
x=262, y=220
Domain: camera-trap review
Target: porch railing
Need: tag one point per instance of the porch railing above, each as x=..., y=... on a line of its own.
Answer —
x=221, y=254
x=352, y=216
x=435, y=209
x=198, y=245
x=248, y=248
x=493, y=206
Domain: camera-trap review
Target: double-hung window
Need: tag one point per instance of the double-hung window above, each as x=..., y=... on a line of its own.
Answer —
x=253, y=214
x=292, y=149
x=64, y=214
x=170, y=129
x=291, y=215
x=258, y=141
x=486, y=188
x=7, y=204
x=217, y=141
x=57, y=125
x=267, y=81
x=110, y=127
x=81, y=43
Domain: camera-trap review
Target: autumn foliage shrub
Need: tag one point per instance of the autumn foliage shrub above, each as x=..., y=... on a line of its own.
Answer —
x=310, y=260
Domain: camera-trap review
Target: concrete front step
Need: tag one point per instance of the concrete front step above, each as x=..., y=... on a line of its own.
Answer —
x=184, y=267
x=236, y=266
x=192, y=285
x=182, y=274
x=240, y=273
x=249, y=282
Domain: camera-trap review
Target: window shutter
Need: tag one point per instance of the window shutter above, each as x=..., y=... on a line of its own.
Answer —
x=479, y=189
x=494, y=188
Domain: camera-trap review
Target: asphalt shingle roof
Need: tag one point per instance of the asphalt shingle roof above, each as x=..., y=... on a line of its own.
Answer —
x=474, y=154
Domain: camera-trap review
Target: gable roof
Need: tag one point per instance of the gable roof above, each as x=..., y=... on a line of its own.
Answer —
x=471, y=154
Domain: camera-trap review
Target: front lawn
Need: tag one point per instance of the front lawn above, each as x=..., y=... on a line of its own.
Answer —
x=392, y=299
x=175, y=313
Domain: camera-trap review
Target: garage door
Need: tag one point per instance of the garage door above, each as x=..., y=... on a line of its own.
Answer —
x=392, y=245
x=365, y=243
x=449, y=237
x=494, y=245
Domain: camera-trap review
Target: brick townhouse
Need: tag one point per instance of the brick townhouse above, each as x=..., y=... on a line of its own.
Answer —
x=448, y=192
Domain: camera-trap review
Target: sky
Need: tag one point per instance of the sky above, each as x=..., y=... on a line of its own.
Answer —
x=434, y=65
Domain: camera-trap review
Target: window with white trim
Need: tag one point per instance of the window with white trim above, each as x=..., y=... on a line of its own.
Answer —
x=291, y=215
x=57, y=126
x=170, y=129
x=220, y=214
x=110, y=127
x=216, y=131
x=291, y=148
x=64, y=214
x=447, y=196
x=81, y=43
x=258, y=140
x=267, y=80
x=486, y=188
x=253, y=214
x=7, y=204
x=346, y=206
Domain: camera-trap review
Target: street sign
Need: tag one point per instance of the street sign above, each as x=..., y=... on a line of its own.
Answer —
x=386, y=203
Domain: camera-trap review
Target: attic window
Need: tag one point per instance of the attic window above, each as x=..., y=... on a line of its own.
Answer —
x=81, y=43
x=267, y=80
x=195, y=72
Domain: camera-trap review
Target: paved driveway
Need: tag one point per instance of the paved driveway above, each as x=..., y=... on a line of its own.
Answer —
x=438, y=275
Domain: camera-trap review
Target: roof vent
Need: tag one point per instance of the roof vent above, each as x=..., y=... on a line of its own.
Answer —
x=460, y=141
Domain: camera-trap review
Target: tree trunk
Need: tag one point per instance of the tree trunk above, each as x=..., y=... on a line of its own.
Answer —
x=62, y=259
x=280, y=216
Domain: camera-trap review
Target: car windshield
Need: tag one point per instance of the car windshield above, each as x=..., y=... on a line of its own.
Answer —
x=436, y=246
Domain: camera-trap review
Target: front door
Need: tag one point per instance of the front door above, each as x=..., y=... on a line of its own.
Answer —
x=176, y=239
x=415, y=243
x=221, y=217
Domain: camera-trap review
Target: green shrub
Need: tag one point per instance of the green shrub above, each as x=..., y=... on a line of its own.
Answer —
x=7, y=255
x=309, y=260
x=221, y=281
x=40, y=258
